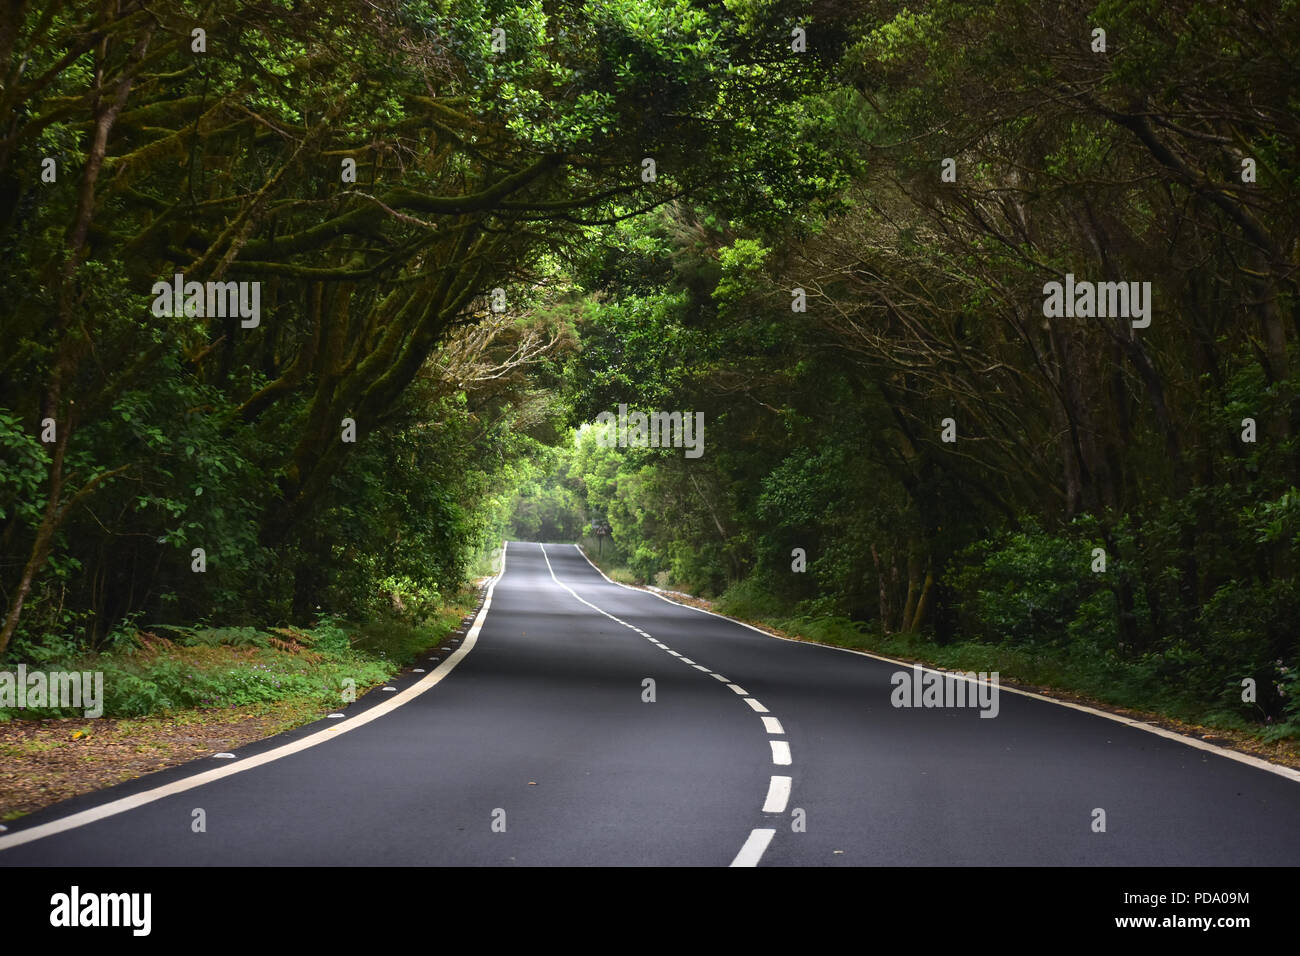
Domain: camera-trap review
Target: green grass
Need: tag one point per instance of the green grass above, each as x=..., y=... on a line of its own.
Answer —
x=609, y=559
x=1083, y=669
x=167, y=670
x=486, y=563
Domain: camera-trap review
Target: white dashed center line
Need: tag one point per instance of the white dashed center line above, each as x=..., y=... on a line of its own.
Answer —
x=778, y=791
x=778, y=795
x=752, y=851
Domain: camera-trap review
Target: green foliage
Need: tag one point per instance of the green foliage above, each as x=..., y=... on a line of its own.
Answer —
x=521, y=170
x=740, y=263
x=234, y=668
x=477, y=169
x=1031, y=587
x=23, y=462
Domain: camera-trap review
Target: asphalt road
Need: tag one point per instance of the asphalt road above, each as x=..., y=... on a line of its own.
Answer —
x=533, y=743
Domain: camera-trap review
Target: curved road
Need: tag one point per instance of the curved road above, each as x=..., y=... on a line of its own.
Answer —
x=534, y=742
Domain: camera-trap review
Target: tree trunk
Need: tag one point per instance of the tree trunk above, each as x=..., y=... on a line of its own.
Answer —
x=923, y=604
x=884, y=591
x=41, y=545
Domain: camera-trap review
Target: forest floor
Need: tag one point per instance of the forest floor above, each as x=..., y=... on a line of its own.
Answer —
x=45, y=761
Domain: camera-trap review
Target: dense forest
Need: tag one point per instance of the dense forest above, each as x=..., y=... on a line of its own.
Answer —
x=989, y=310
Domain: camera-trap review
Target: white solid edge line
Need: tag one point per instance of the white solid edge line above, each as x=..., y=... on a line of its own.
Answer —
x=124, y=804
x=778, y=795
x=756, y=705
x=754, y=847
x=1256, y=762
x=772, y=725
x=780, y=753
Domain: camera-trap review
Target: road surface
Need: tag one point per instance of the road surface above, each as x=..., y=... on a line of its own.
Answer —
x=535, y=741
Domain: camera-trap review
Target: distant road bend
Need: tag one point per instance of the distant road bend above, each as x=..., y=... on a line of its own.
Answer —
x=541, y=740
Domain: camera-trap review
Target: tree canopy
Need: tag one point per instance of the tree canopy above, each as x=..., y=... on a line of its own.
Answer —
x=830, y=227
